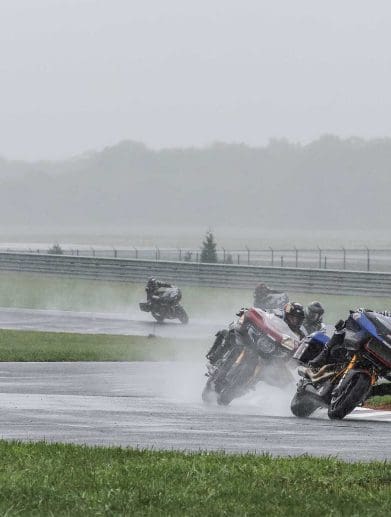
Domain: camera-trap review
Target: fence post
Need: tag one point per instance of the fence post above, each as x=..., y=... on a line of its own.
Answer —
x=320, y=258
x=344, y=257
x=93, y=252
x=115, y=253
x=296, y=257
x=368, y=258
x=248, y=256
x=136, y=252
x=197, y=256
x=180, y=255
x=238, y=258
x=223, y=254
x=272, y=250
x=325, y=262
x=282, y=260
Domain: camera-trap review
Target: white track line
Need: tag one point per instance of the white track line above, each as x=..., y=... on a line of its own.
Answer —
x=371, y=414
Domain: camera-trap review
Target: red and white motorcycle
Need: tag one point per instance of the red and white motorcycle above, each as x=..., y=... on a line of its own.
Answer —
x=257, y=346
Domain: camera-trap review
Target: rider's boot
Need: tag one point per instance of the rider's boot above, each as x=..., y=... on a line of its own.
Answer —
x=323, y=357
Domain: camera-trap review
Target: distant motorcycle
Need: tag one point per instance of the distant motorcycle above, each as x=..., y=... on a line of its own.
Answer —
x=356, y=365
x=164, y=304
x=257, y=346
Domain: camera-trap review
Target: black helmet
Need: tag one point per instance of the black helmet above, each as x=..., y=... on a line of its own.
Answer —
x=294, y=315
x=151, y=282
x=314, y=312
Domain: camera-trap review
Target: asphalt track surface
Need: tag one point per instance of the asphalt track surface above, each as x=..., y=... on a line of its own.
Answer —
x=157, y=405
x=141, y=324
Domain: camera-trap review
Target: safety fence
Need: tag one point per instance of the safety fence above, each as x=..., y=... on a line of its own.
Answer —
x=210, y=275
x=348, y=259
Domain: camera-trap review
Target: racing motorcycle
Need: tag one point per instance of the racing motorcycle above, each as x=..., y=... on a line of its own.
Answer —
x=164, y=304
x=355, y=366
x=256, y=346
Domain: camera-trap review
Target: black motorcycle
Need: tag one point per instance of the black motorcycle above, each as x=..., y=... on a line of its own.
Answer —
x=355, y=366
x=164, y=304
x=256, y=346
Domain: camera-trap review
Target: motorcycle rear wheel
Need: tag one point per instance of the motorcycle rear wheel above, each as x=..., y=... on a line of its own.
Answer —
x=349, y=396
x=302, y=405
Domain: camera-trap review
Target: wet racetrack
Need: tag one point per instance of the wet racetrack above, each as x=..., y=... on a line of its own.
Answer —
x=157, y=405
x=104, y=323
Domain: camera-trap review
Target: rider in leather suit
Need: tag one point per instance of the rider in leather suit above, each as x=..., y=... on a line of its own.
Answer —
x=267, y=299
x=153, y=286
x=313, y=320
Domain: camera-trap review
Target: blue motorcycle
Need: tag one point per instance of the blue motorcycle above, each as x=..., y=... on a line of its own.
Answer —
x=355, y=366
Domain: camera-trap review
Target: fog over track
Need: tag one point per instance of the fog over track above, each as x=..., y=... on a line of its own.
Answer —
x=157, y=405
x=105, y=323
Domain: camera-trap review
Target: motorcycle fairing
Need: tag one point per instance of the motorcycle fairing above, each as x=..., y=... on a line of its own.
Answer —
x=379, y=328
x=374, y=322
x=272, y=325
x=319, y=336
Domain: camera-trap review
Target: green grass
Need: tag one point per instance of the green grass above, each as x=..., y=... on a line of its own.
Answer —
x=42, y=479
x=49, y=292
x=16, y=345
x=379, y=401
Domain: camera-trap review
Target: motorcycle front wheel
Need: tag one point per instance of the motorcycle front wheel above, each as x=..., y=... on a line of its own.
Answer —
x=236, y=381
x=349, y=395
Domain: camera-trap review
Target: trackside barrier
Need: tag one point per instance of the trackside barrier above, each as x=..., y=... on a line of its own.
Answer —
x=209, y=275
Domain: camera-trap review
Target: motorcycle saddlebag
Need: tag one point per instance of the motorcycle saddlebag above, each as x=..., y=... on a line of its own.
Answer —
x=145, y=306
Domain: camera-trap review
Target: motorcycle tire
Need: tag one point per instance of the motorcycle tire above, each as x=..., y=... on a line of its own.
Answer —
x=350, y=395
x=226, y=396
x=182, y=315
x=234, y=389
x=302, y=405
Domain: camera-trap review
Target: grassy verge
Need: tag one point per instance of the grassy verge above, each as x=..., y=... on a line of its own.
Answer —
x=379, y=402
x=18, y=345
x=42, y=479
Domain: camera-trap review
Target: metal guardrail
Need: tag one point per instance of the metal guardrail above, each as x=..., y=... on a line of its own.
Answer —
x=350, y=259
x=209, y=275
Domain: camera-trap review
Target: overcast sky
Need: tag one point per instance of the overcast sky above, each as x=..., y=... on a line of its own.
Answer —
x=82, y=74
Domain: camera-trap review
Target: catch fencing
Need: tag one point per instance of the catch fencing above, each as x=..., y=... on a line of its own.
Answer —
x=209, y=275
x=347, y=259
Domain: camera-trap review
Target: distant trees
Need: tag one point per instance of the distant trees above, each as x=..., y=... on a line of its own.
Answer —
x=208, y=250
x=55, y=250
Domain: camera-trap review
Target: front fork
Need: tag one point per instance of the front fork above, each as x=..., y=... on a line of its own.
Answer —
x=352, y=364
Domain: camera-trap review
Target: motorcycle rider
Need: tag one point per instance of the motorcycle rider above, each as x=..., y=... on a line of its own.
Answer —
x=293, y=315
x=153, y=286
x=267, y=299
x=313, y=320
